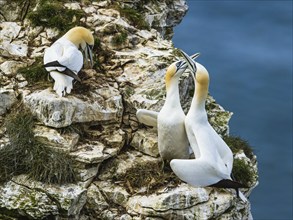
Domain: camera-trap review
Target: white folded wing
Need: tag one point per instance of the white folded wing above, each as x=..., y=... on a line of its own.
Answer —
x=67, y=54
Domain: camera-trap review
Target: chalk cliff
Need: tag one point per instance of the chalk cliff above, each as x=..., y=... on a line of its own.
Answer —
x=116, y=160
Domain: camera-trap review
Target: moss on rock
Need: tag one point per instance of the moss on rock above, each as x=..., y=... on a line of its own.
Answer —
x=242, y=172
x=25, y=154
x=133, y=16
x=34, y=73
x=236, y=144
x=53, y=14
x=119, y=38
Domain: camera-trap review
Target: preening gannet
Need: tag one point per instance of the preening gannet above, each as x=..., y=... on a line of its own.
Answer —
x=213, y=161
x=172, y=138
x=63, y=59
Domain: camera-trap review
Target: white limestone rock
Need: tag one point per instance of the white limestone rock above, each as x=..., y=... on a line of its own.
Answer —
x=58, y=112
x=9, y=31
x=14, y=49
x=187, y=202
x=52, y=138
x=87, y=175
x=93, y=152
x=218, y=117
x=113, y=192
x=124, y=162
x=146, y=141
x=22, y=201
x=96, y=202
x=10, y=46
x=176, y=203
x=7, y=98
x=115, y=139
x=164, y=16
x=37, y=200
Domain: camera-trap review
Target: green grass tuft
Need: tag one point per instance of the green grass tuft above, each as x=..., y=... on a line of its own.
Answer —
x=54, y=15
x=26, y=155
x=236, y=144
x=242, y=172
x=34, y=73
x=134, y=17
x=119, y=38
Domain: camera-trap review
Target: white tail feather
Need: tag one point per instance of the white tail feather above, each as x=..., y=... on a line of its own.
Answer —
x=63, y=83
x=242, y=196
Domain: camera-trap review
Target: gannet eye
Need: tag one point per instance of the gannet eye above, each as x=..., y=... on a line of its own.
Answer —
x=178, y=64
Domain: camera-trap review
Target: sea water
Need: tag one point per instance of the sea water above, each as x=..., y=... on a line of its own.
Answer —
x=247, y=48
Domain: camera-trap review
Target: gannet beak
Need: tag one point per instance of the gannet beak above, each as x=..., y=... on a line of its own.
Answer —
x=89, y=54
x=189, y=61
x=183, y=64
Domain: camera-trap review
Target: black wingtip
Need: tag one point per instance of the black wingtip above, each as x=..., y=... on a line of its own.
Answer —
x=226, y=183
x=67, y=71
x=54, y=64
x=70, y=73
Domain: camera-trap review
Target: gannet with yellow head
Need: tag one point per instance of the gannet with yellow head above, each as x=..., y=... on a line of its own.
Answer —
x=213, y=161
x=64, y=60
x=172, y=138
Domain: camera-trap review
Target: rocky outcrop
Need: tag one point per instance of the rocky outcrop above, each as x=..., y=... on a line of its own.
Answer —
x=120, y=174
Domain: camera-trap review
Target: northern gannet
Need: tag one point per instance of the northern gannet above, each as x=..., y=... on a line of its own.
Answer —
x=63, y=59
x=213, y=161
x=172, y=138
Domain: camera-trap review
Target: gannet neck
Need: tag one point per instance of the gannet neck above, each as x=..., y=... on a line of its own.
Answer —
x=172, y=92
x=201, y=87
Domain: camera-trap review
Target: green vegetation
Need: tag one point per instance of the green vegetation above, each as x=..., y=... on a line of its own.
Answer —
x=236, y=144
x=119, y=38
x=133, y=16
x=26, y=155
x=34, y=73
x=54, y=15
x=242, y=172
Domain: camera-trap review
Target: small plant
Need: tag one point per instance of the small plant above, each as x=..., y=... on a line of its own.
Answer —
x=34, y=73
x=26, y=155
x=134, y=17
x=242, y=172
x=54, y=15
x=119, y=38
x=236, y=144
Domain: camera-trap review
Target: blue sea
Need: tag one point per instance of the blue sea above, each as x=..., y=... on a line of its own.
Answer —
x=247, y=48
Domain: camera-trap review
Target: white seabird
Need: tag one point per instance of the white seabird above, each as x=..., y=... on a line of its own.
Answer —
x=64, y=60
x=172, y=138
x=213, y=161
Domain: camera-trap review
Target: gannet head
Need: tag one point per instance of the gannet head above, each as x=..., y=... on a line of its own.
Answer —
x=82, y=38
x=176, y=69
x=202, y=75
x=199, y=72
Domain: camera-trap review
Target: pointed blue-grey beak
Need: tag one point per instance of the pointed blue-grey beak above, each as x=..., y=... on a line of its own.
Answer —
x=184, y=64
x=89, y=54
x=189, y=61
